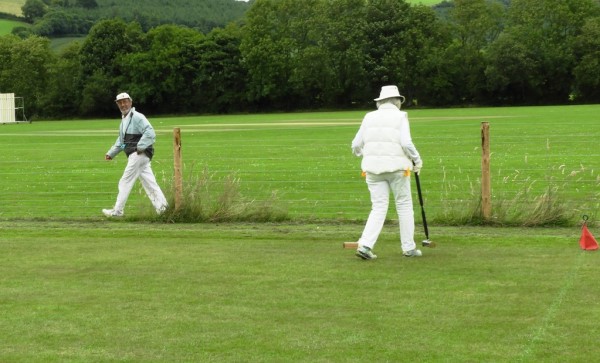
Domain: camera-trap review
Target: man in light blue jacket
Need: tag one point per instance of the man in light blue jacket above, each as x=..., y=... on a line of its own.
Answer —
x=388, y=157
x=136, y=139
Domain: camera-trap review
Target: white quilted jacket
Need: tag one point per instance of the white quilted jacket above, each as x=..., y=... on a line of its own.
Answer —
x=384, y=141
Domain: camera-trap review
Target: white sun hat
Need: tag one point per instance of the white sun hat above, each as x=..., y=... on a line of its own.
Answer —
x=388, y=92
x=122, y=96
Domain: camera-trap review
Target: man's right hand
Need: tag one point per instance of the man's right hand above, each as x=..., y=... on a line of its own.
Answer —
x=107, y=157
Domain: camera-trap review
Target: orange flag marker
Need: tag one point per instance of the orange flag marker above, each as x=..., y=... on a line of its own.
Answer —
x=587, y=240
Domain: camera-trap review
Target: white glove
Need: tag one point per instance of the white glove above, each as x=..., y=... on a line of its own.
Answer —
x=417, y=167
x=357, y=150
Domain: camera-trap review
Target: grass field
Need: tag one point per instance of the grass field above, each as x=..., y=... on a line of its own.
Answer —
x=136, y=292
x=544, y=160
x=75, y=287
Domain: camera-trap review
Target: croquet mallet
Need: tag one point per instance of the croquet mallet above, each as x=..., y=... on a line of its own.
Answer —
x=426, y=242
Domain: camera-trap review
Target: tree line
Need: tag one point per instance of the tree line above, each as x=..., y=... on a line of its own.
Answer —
x=319, y=54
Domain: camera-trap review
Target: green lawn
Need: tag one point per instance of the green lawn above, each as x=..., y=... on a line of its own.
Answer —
x=76, y=287
x=136, y=292
x=544, y=163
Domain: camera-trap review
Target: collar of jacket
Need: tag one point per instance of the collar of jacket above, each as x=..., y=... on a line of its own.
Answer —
x=130, y=113
x=387, y=106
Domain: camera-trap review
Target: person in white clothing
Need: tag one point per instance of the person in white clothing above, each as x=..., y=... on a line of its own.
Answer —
x=136, y=139
x=388, y=157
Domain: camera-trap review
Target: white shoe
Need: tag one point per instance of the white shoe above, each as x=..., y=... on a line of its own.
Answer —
x=365, y=253
x=112, y=213
x=161, y=210
x=413, y=253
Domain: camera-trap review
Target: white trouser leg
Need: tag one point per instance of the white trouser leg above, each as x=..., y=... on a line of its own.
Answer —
x=134, y=166
x=400, y=186
x=380, y=195
x=152, y=189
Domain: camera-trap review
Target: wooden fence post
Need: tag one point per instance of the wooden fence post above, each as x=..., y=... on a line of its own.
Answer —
x=178, y=180
x=486, y=197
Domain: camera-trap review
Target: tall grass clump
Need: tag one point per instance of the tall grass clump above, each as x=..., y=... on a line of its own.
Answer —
x=526, y=206
x=531, y=205
x=547, y=210
x=209, y=199
x=460, y=205
x=520, y=211
x=527, y=210
x=464, y=211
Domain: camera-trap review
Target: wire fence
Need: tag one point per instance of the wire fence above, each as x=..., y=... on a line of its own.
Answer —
x=309, y=170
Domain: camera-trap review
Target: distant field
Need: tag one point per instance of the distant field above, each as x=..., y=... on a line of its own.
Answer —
x=11, y=6
x=6, y=26
x=58, y=44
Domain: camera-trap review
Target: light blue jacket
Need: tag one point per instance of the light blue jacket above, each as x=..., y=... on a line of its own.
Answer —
x=135, y=134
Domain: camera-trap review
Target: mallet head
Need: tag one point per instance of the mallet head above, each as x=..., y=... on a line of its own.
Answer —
x=350, y=245
x=428, y=243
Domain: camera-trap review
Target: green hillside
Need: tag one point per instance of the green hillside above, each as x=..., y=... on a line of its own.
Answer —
x=14, y=6
x=69, y=18
x=201, y=14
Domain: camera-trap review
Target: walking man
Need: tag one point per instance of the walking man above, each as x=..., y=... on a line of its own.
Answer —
x=388, y=156
x=136, y=138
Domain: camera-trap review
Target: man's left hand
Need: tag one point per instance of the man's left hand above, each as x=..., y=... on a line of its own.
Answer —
x=417, y=167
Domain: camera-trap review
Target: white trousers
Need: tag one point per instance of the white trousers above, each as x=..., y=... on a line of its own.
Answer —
x=138, y=166
x=379, y=187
